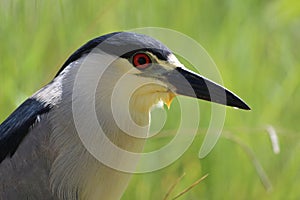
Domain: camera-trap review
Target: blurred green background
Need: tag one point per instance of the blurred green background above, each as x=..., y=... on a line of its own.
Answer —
x=255, y=44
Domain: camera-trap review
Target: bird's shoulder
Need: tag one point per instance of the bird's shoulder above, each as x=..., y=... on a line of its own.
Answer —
x=15, y=128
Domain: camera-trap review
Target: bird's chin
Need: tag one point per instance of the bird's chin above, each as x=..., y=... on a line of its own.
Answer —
x=147, y=96
x=168, y=98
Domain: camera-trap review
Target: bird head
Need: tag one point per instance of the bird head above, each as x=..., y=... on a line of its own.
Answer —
x=150, y=72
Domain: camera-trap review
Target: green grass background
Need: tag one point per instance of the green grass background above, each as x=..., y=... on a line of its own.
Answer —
x=255, y=44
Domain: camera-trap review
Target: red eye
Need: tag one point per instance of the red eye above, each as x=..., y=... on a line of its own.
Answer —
x=141, y=60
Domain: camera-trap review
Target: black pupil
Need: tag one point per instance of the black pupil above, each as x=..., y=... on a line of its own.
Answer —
x=142, y=60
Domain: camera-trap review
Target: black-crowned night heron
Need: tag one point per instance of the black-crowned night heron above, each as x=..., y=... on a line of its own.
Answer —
x=41, y=154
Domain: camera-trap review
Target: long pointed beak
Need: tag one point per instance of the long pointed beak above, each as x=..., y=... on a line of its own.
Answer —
x=188, y=83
